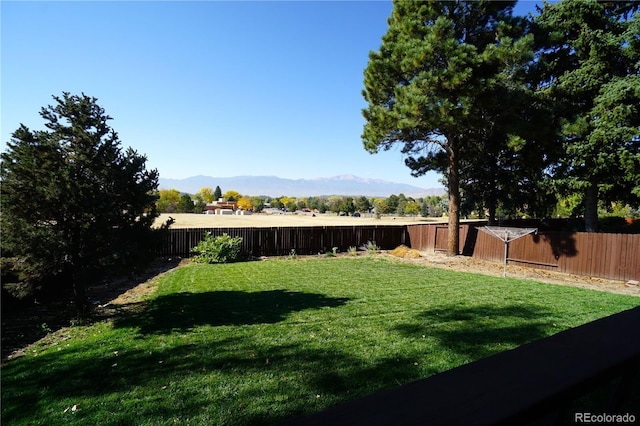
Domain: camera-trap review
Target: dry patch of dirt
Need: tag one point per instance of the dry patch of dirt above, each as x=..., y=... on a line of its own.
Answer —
x=120, y=300
x=110, y=298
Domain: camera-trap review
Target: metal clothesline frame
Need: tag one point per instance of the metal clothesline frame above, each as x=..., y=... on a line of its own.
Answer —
x=506, y=234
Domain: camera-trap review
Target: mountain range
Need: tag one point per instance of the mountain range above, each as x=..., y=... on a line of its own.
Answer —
x=274, y=186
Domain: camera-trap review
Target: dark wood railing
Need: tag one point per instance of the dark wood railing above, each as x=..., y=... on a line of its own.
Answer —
x=538, y=383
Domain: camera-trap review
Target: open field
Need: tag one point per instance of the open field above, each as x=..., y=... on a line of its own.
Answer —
x=185, y=220
x=260, y=342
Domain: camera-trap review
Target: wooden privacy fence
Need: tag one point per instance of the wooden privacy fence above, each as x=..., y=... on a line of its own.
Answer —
x=610, y=256
x=434, y=236
x=278, y=241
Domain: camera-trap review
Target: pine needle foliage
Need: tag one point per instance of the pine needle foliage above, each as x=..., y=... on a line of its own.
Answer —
x=74, y=203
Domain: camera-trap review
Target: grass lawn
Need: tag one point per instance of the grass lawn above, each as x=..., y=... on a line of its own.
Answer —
x=259, y=342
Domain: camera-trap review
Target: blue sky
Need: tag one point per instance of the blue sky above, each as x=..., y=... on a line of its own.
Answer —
x=206, y=87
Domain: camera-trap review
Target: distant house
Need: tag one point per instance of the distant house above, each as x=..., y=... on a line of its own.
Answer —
x=221, y=207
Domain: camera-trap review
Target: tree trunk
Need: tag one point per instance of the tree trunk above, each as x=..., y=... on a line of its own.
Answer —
x=492, y=208
x=453, y=243
x=79, y=294
x=591, y=208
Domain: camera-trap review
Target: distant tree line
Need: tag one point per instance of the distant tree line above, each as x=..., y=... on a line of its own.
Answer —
x=172, y=201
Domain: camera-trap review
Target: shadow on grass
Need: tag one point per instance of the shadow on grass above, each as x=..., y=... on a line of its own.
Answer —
x=231, y=381
x=479, y=331
x=25, y=322
x=245, y=378
x=183, y=311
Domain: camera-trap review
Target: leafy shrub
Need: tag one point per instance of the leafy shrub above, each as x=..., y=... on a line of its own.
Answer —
x=221, y=249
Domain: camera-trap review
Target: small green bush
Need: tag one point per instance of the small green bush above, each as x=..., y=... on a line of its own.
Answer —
x=221, y=249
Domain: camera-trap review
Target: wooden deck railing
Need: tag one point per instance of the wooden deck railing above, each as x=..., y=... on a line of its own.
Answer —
x=537, y=383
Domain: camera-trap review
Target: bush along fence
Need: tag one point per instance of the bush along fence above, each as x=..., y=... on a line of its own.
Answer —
x=609, y=256
x=282, y=241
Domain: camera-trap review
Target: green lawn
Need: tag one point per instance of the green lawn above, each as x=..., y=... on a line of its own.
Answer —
x=259, y=342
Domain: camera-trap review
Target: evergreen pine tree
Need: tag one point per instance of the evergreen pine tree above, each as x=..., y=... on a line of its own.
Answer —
x=73, y=202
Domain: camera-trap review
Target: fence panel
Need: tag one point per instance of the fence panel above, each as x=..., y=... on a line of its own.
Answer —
x=538, y=251
x=279, y=241
x=631, y=258
x=610, y=256
x=435, y=236
x=488, y=248
x=421, y=237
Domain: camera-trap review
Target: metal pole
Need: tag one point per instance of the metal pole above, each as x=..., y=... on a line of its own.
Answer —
x=506, y=245
x=506, y=250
